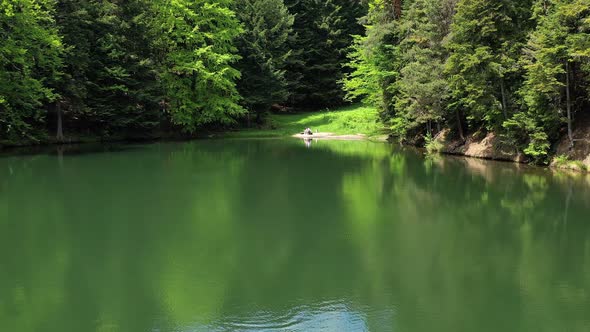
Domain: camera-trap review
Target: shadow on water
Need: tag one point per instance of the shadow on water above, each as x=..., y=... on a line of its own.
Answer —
x=69, y=149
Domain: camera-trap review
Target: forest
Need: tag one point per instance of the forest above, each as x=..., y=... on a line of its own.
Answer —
x=135, y=68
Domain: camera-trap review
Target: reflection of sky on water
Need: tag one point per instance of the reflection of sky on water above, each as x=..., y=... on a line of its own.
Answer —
x=328, y=316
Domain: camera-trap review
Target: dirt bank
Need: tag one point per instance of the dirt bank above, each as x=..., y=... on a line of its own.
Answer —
x=578, y=158
x=489, y=146
x=485, y=146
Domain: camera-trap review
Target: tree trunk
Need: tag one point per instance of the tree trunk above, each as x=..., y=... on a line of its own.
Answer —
x=460, y=126
x=397, y=9
x=569, y=105
x=60, y=133
x=504, y=103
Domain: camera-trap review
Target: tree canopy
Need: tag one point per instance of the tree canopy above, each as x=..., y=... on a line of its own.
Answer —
x=518, y=68
x=130, y=68
x=137, y=68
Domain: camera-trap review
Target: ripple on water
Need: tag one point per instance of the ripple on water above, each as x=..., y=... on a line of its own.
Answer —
x=324, y=316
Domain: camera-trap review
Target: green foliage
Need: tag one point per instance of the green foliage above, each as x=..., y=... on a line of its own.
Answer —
x=120, y=68
x=525, y=129
x=486, y=41
x=110, y=83
x=560, y=37
x=198, y=72
x=126, y=68
x=563, y=161
x=372, y=73
x=375, y=61
x=30, y=65
x=432, y=145
x=323, y=32
x=423, y=86
x=354, y=119
x=264, y=53
x=497, y=65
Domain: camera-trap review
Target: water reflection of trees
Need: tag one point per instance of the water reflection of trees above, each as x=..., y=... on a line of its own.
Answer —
x=185, y=235
x=473, y=234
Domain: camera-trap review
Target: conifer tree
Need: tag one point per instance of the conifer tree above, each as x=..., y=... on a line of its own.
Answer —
x=423, y=87
x=324, y=30
x=264, y=53
x=487, y=38
x=110, y=80
x=375, y=61
x=557, y=49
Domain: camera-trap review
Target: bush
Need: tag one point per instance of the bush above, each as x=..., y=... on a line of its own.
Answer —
x=561, y=160
x=432, y=145
x=525, y=129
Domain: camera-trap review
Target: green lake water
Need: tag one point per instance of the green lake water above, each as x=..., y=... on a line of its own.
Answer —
x=273, y=235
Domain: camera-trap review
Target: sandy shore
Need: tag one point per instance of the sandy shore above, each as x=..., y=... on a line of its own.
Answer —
x=331, y=136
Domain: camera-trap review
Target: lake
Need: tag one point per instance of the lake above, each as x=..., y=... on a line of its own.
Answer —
x=275, y=235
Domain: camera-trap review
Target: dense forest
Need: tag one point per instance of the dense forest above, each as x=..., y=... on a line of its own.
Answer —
x=128, y=68
x=518, y=68
x=125, y=68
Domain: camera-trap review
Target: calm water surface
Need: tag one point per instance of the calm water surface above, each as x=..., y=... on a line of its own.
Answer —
x=271, y=235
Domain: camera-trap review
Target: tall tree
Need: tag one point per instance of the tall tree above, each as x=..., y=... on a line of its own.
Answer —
x=324, y=30
x=264, y=53
x=30, y=65
x=110, y=80
x=487, y=38
x=375, y=61
x=556, y=60
x=198, y=70
x=423, y=87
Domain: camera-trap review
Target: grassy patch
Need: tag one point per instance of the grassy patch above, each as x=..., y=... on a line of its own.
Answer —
x=351, y=120
x=563, y=161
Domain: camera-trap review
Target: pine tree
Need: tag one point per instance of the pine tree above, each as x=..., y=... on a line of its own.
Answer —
x=423, y=87
x=487, y=38
x=110, y=83
x=324, y=30
x=264, y=53
x=556, y=49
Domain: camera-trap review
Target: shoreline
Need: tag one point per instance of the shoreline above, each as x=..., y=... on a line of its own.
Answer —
x=490, y=147
x=331, y=136
x=478, y=148
x=343, y=137
x=483, y=149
